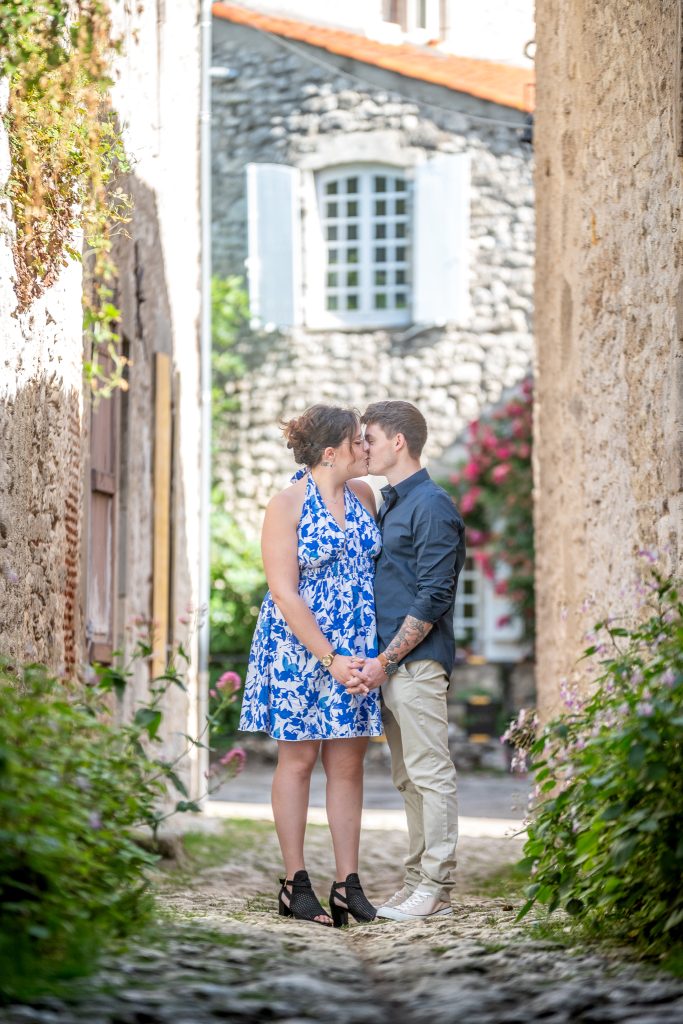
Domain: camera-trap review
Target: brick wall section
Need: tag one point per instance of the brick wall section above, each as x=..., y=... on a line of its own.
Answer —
x=609, y=313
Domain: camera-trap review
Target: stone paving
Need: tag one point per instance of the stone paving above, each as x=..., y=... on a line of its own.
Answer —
x=224, y=955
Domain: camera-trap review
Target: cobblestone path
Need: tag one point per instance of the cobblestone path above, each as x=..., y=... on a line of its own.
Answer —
x=225, y=955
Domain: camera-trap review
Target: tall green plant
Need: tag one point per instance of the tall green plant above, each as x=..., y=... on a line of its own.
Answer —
x=606, y=839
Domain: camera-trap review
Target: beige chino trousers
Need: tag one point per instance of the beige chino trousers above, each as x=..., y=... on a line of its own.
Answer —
x=415, y=719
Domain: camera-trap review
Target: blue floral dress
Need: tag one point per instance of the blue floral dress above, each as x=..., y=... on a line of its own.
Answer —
x=287, y=692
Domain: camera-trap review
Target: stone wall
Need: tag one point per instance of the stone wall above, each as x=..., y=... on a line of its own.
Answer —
x=283, y=107
x=41, y=415
x=609, y=312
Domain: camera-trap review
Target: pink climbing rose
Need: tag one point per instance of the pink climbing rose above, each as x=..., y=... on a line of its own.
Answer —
x=229, y=681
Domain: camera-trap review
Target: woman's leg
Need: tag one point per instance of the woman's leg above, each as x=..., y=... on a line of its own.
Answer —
x=290, y=791
x=343, y=764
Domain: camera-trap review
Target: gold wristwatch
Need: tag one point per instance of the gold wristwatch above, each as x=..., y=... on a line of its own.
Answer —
x=328, y=659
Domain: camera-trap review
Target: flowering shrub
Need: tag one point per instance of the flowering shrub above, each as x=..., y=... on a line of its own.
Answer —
x=606, y=840
x=74, y=787
x=225, y=703
x=493, y=490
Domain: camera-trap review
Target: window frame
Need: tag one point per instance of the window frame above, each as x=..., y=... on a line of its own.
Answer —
x=470, y=571
x=365, y=316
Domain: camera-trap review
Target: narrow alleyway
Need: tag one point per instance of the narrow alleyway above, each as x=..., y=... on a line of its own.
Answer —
x=223, y=954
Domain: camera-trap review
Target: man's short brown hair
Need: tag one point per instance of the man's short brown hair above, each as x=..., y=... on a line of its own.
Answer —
x=395, y=417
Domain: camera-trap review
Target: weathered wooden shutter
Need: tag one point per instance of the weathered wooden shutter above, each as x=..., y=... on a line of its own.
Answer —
x=441, y=239
x=274, y=240
x=102, y=528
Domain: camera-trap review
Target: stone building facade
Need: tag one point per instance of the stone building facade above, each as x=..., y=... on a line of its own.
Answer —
x=84, y=488
x=300, y=117
x=609, y=299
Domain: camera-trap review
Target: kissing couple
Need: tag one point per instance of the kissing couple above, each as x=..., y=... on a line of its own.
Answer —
x=355, y=637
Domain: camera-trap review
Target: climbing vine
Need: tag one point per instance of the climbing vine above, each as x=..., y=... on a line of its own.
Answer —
x=66, y=153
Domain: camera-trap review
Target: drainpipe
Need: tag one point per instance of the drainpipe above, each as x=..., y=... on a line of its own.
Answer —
x=205, y=379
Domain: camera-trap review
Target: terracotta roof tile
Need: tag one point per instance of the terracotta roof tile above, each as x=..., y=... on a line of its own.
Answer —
x=498, y=83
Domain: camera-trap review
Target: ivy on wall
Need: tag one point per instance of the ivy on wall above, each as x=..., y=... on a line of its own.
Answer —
x=66, y=151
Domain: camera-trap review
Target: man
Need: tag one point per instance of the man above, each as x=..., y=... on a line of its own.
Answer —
x=415, y=584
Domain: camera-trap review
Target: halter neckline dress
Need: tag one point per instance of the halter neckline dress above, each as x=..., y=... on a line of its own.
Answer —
x=288, y=693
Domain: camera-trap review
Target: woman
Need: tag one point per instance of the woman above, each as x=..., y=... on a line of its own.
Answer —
x=316, y=624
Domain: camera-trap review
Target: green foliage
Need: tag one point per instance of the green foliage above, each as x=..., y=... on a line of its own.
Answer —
x=65, y=150
x=238, y=584
x=229, y=322
x=237, y=579
x=74, y=785
x=493, y=490
x=71, y=791
x=606, y=840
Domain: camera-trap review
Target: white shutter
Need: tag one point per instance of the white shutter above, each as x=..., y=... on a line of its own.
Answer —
x=442, y=237
x=500, y=642
x=274, y=241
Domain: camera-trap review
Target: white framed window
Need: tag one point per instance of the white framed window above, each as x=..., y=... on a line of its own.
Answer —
x=363, y=245
x=418, y=19
x=468, y=617
x=364, y=216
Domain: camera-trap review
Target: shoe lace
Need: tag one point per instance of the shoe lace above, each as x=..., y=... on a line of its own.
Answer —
x=417, y=897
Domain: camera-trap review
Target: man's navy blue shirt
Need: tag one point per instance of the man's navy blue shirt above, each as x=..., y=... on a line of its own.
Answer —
x=423, y=551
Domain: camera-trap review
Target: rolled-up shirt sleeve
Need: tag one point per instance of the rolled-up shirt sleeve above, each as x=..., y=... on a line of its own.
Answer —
x=439, y=545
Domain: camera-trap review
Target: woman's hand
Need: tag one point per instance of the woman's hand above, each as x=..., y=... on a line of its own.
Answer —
x=342, y=665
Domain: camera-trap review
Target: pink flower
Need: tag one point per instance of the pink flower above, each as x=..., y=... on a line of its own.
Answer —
x=476, y=537
x=473, y=427
x=94, y=820
x=229, y=680
x=213, y=693
x=644, y=708
x=501, y=587
x=503, y=451
x=524, y=451
x=469, y=500
x=184, y=620
x=651, y=556
x=471, y=471
x=234, y=759
x=499, y=473
x=504, y=620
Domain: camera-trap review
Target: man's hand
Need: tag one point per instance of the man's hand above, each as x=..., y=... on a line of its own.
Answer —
x=369, y=678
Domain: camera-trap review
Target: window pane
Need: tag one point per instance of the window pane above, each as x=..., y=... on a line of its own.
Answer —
x=332, y=256
x=332, y=209
x=401, y=301
x=401, y=254
x=380, y=231
x=380, y=300
x=332, y=279
x=380, y=207
x=331, y=232
x=332, y=302
x=352, y=232
x=352, y=279
x=331, y=188
x=399, y=230
x=400, y=277
x=380, y=277
x=352, y=301
x=380, y=255
x=352, y=256
x=380, y=184
x=400, y=185
x=351, y=185
x=400, y=207
x=352, y=209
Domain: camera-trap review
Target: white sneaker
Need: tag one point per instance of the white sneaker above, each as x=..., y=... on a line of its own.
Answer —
x=418, y=907
x=399, y=897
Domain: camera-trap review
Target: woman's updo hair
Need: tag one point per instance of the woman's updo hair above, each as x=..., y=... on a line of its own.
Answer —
x=318, y=428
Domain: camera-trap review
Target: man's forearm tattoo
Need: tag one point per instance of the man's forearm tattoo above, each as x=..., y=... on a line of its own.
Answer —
x=412, y=632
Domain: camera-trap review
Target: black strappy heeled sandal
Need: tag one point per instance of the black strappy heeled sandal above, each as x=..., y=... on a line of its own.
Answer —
x=355, y=902
x=303, y=903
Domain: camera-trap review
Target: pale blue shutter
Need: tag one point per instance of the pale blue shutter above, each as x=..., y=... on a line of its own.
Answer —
x=500, y=642
x=274, y=244
x=441, y=239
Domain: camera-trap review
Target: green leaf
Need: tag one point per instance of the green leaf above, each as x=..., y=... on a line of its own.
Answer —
x=613, y=811
x=673, y=919
x=148, y=719
x=636, y=755
x=187, y=805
